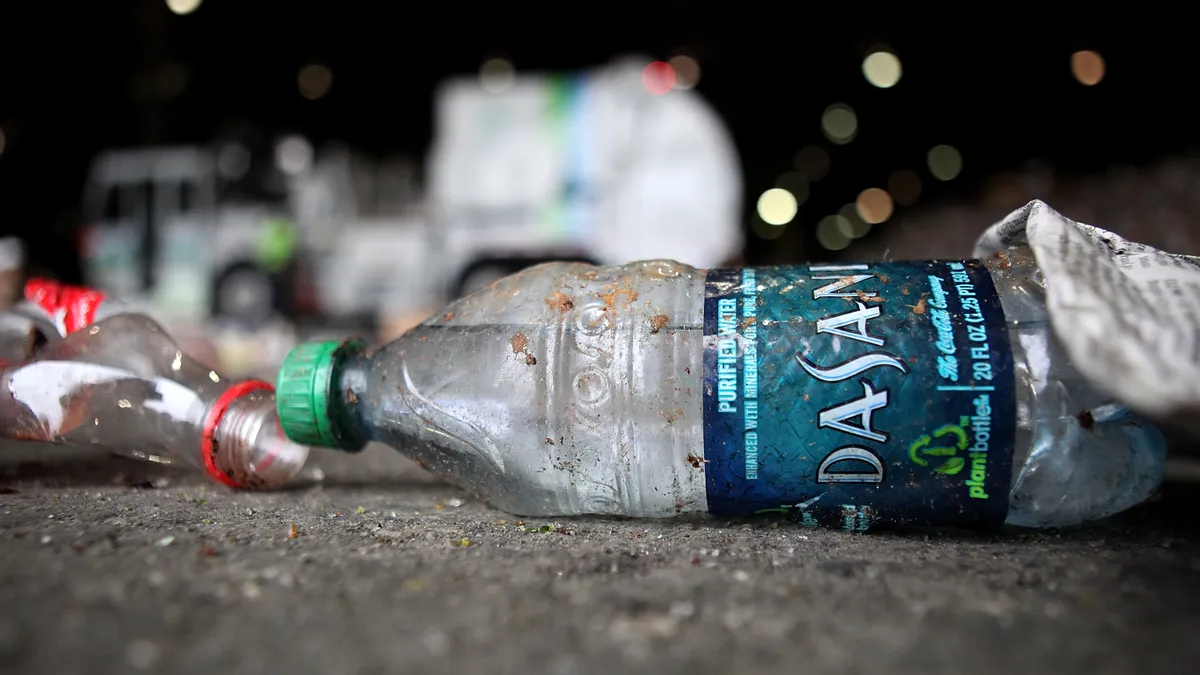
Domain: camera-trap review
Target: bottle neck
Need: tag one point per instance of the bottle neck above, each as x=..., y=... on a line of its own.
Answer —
x=248, y=448
x=349, y=401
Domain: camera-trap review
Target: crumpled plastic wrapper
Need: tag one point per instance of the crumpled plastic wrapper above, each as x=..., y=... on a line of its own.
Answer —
x=1128, y=314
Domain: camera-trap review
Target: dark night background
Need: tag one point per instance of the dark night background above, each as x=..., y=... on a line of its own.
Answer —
x=79, y=77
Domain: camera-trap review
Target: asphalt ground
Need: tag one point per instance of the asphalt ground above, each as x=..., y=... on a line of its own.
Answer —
x=110, y=565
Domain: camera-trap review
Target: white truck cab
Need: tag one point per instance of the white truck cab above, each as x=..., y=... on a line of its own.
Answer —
x=160, y=234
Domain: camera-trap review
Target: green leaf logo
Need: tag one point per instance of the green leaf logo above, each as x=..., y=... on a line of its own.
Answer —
x=952, y=466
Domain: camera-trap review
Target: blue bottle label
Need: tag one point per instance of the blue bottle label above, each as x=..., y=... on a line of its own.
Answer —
x=857, y=396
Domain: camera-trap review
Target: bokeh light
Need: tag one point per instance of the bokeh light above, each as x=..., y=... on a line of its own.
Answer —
x=182, y=7
x=945, y=163
x=687, y=71
x=1087, y=67
x=839, y=123
x=293, y=155
x=831, y=233
x=314, y=81
x=851, y=224
x=766, y=231
x=882, y=69
x=233, y=161
x=171, y=79
x=874, y=206
x=497, y=76
x=796, y=184
x=905, y=186
x=658, y=77
x=777, y=206
x=813, y=163
x=3, y=141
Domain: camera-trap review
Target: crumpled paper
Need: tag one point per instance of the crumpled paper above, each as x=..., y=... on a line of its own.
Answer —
x=1128, y=314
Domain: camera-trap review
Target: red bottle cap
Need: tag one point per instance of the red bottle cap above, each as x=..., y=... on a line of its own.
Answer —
x=208, y=446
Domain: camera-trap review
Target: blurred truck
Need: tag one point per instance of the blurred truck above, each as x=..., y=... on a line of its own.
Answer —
x=587, y=166
x=165, y=230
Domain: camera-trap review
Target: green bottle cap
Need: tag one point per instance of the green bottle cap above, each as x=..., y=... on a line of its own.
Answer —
x=303, y=394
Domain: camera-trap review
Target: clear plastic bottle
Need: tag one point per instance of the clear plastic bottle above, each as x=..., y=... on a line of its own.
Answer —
x=123, y=384
x=572, y=389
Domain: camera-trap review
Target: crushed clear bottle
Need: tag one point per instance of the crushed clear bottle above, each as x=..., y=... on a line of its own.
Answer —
x=123, y=384
x=570, y=389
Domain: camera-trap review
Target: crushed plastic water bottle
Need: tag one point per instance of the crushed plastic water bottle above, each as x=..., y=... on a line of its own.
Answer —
x=121, y=383
x=848, y=395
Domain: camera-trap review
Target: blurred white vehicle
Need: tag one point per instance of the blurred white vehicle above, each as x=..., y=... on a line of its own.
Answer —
x=157, y=234
x=589, y=167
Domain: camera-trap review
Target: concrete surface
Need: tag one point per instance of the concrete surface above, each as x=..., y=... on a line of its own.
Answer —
x=112, y=566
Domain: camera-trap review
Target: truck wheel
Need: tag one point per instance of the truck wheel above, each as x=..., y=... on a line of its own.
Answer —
x=245, y=294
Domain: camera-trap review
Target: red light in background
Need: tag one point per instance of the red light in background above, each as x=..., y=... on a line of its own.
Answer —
x=658, y=78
